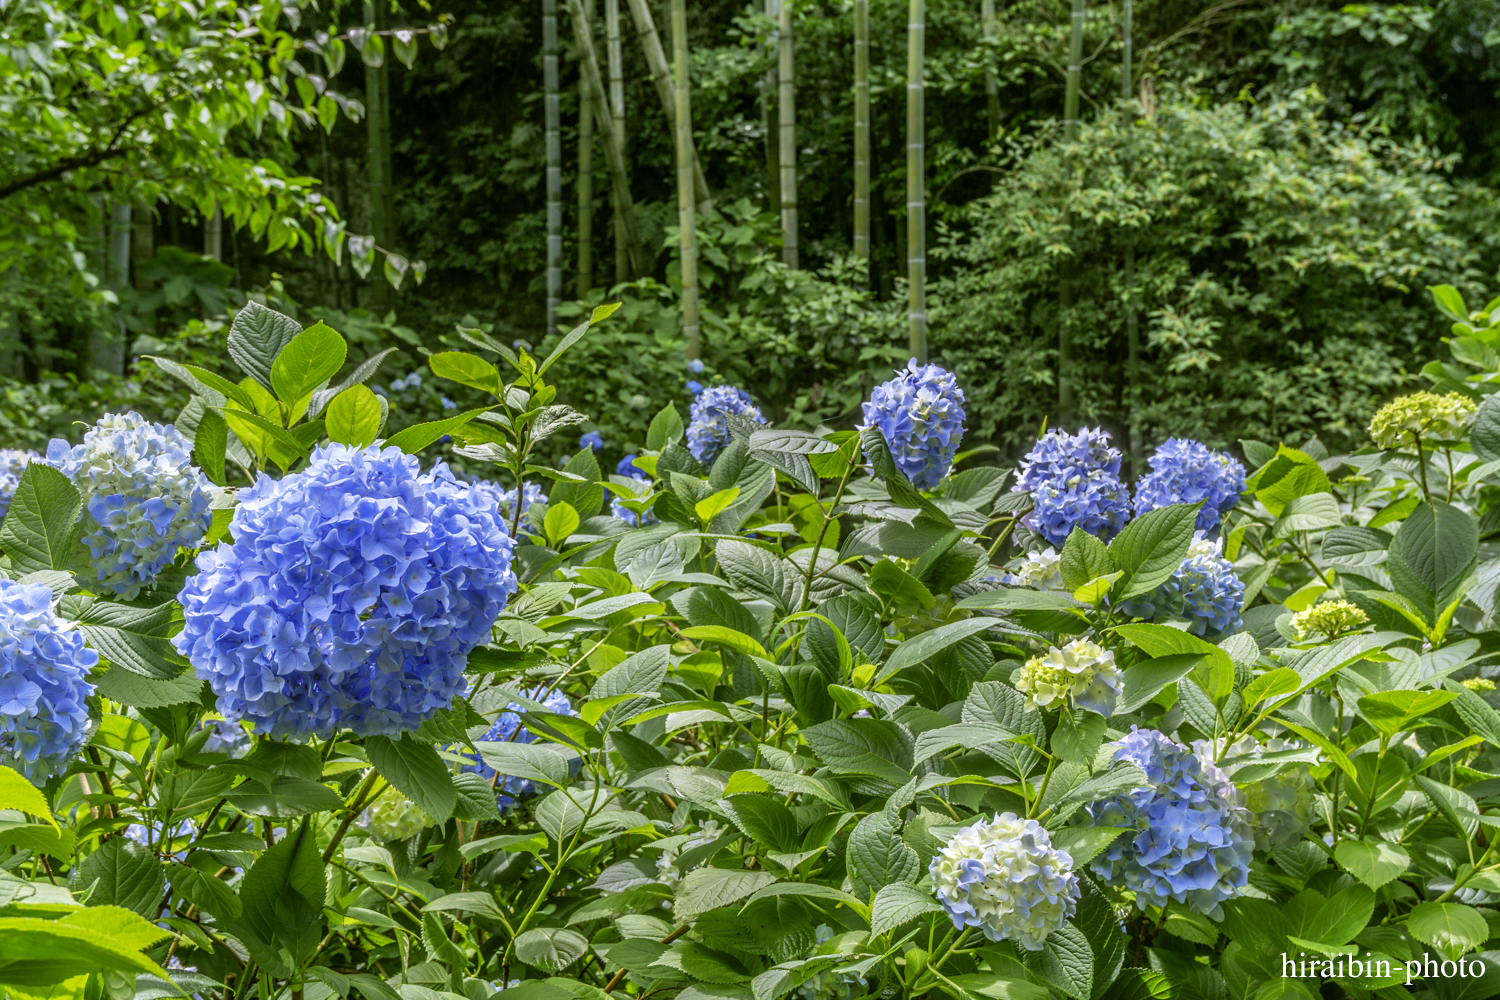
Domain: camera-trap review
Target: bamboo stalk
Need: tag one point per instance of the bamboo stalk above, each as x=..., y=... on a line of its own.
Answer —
x=1132, y=328
x=916, y=202
x=769, y=119
x=615, y=56
x=1070, y=132
x=612, y=156
x=685, y=160
x=661, y=76
x=787, y=141
x=862, y=129
x=553, y=140
x=378, y=118
x=585, y=181
x=991, y=83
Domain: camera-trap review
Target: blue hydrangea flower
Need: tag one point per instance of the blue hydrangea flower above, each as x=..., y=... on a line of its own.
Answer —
x=143, y=498
x=1204, y=592
x=591, y=440
x=1058, y=455
x=1005, y=878
x=448, y=404
x=12, y=464
x=1190, y=840
x=44, y=669
x=504, y=500
x=626, y=466
x=1185, y=471
x=920, y=413
x=509, y=729
x=708, y=430
x=695, y=365
x=409, y=382
x=693, y=386
x=351, y=596
x=1074, y=481
x=225, y=737
x=616, y=508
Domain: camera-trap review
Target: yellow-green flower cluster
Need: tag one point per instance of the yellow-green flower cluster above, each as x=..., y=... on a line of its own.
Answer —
x=1477, y=684
x=1434, y=417
x=1082, y=670
x=1331, y=618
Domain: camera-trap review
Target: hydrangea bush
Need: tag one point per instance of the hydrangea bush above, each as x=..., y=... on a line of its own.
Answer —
x=754, y=712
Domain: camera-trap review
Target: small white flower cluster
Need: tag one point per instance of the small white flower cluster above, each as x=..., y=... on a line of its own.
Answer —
x=1082, y=670
x=1005, y=878
x=1042, y=570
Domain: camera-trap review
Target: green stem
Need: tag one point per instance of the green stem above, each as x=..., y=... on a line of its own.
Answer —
x=812, y=564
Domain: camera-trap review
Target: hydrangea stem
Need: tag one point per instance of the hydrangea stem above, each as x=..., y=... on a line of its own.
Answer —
x=812, y=564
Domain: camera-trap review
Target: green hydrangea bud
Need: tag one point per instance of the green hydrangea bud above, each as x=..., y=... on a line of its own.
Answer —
x=1434, y=417
x=1331, y=618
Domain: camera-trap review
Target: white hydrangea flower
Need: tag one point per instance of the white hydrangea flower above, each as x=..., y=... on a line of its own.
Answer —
x=665, y=867
x=394, y=817
x=1005, y=878
x=1042, y=570
x=1082, y=670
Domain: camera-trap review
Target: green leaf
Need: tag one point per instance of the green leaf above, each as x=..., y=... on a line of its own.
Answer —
x=285, y=798
x=353, y=417
x=210, y=444
x=1312, y=512
x=899, y=903
x=467, y=369
x=1084, y=558
x=295, y=760
x=37, y=953
x=38, y=531
x=311, y=358
x=560, y=522
x=551, y=948
x=587, y=496
x=118, y=684
x=256, y=337
x=1289, y=475
x=1451, y=928
x=1392, y=711
x=640, y=673
x=1433, y=554
x=211, y=895
x=527, y=760
x=1066, y=962
x=877, y=857
x=134, y=639
x=922, y=647
x=1147, y=678
x=666, y=427
x=418, y=436
x=1083, y=843
x=1214, y=674
x=1374, y=862
x=261, y=435
x=1450, y=301
x=122, y=873
x=417, y=772
x=710, y=888
x=710, y=507
x=766, y=820
x=1151, y=548
x=284, y=890
x=18, y=793
x=862, y=746
x=733, y=639
x=599, y=315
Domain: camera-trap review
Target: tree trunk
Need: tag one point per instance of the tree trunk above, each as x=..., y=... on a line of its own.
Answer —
x=661, y=75
x=769, y=120
x=1132, y=329
x=685, y=219
x=916, y=200
x=1070, y=132
x=862, y=130
x=107, y=342
x=213, y=234
x=615, y=55
x=612, y=157
x=378, y=124
x=586, y=180
x=787, y=116
x=991, y=83
x=553, y=140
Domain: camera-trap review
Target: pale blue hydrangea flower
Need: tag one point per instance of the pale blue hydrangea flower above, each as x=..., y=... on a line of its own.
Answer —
x=143, y=498
x=1074, y=481
x=920, y=413
x=642, y=486
x=448, y=404
x=504, y=500
x=409, y=382
x=1204, y=591
x=508, y=728
x=1005, y=878
x=351, y=596
x=693, y=386
x=1189, y=839
x=708, y=430
x=591, y=440
x=44, y=687
x=1185, y=471
x=695, y=366
x=12, y=463
x=225, y=737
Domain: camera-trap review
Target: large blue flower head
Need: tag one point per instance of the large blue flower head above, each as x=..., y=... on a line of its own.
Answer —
x=1005, y=878
x=44, y=669
x=509, y=729
x=642, y=486
x=1185, y=471
x=351, y=596
x=591, y=440
x=1204, y=591
x=627, y=467
x=708, y=430
x=143, y=498
x=1189, y=840
x=12, y=464
x=1074, y=481
x=920, y=413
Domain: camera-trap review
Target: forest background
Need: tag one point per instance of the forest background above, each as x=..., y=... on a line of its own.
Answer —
x=1266, y=206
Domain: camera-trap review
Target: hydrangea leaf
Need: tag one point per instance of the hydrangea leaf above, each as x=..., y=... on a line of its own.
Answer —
x=550, y=948
x=1152, y=547
x=43, y=519
x=1451, y=928
x=307, y=362
x=467, y=369
x=1432, y=555
x=710, y=888
x=1066, y=962
x=416, y=770
x=354, y=417
x=899, y=903
x=122, y=873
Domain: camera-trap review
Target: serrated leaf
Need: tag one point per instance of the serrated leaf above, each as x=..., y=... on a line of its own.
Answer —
x=38, y=531
x=898, y=903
